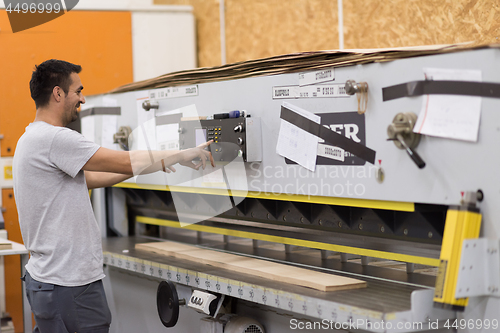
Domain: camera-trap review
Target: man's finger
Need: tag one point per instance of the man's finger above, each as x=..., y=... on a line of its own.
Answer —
x=211, y=159
x=206, y=144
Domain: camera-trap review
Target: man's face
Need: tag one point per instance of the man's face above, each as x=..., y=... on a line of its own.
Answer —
x=73, y=99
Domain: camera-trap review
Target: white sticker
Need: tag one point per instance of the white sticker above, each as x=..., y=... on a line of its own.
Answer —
x=332, y=152
x=173, y=92
x=312, y=91
x=307, y=78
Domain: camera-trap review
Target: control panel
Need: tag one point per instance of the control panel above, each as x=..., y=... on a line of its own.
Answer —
x=232, y=137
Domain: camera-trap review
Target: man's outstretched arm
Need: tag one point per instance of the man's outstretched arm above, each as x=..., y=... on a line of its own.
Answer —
x=108, y=167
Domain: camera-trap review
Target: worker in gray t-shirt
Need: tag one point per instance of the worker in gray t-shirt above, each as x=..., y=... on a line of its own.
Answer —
x=53, y=169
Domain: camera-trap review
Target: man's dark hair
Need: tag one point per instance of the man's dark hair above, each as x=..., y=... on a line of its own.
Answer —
x=49, y=74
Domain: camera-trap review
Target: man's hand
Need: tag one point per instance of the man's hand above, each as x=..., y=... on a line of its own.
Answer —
x=188, y=155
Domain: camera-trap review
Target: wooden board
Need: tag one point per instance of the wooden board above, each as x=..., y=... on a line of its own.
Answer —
x=256, y=267
x=5, y=245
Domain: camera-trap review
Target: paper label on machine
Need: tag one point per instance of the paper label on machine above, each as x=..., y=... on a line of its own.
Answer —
x=450, y=116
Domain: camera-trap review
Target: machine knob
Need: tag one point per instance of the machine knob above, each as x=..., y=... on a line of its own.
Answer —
x=168, y=303
x=239, y=128
x=240, y=141
x=148, y=105
x=352, y=87
x=122, y=137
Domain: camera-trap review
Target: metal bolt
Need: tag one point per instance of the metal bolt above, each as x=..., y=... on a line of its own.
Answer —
x=284, y=217
x=252, y=214
x=380, y=175
x=340, y=224
x=302, y=220
x=268, y=215
x=382, y=229
x=405, y=232
x=429, y=234
x=360, y=226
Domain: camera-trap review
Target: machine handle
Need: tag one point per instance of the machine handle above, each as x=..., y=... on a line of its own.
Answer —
x=412, y=153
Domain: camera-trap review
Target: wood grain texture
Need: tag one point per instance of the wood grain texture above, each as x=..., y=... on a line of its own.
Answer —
x=257, y=267
x=397, y=23
x=263, y=28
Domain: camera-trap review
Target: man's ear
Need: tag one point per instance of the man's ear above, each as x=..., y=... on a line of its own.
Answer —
x=56, y=92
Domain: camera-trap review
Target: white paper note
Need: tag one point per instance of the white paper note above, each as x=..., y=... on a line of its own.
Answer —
x=296, y=144
x=450, y=116
x=109, y=128
x=167, y=137
x=88, y=128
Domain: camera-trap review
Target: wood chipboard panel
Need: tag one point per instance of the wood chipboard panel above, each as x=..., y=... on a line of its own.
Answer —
x=397, y=23
x=263, y=28
x=257, y=267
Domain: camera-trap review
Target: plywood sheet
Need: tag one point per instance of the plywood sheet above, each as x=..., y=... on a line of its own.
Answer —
x=395, y=23
x=257, y=267
x=5, y=245
x=263, y=28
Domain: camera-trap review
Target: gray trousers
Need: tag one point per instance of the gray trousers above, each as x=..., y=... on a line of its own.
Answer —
x=59, y=309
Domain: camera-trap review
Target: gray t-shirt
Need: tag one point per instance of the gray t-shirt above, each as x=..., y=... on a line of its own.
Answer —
x=57, y=222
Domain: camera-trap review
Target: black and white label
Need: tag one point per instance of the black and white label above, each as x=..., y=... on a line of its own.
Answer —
x=312, y=91
x=325, y=75
x=173, y=92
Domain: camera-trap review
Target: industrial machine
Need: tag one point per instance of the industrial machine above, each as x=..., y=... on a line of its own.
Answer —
x=375, y=165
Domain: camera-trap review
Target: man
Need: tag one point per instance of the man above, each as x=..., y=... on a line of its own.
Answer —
x=53, y=169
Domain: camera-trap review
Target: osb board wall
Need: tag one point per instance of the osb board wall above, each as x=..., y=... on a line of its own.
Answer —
x=261, y=28
x=394, y=23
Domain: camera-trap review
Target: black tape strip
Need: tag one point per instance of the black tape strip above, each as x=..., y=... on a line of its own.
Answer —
x=111, y=110
x=418, y=88
x=328, y=135
x=168, y=119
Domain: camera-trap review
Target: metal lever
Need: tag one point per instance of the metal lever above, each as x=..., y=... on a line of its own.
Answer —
x=401, y=132
x=413, y=154
x=122, y=137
